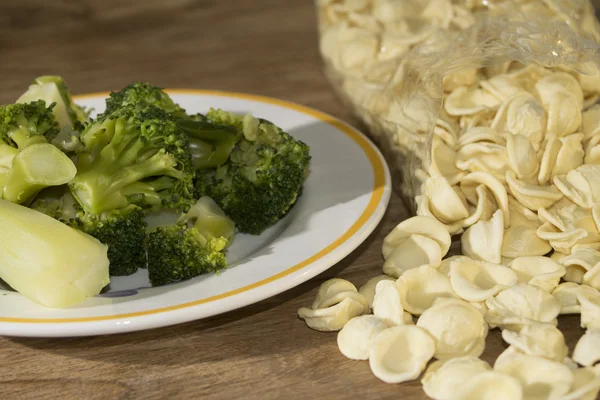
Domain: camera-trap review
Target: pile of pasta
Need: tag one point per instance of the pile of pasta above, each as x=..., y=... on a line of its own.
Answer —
x=515, y=171
x=365, y=43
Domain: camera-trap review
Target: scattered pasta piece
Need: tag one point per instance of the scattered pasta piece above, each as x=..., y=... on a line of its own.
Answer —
x=413, y=252
x=590, y=308
x=444, y=201
x=532, y=196
x=521, y=305
x=420, y=225
x=356, y=337
x=581, y=185
x=495, y=187
x=592, y=277
x=330, y=289
x=540, y=378
x=542, y=272
x=522, y=241
x=586, y=385
x=368, y=289
x=400, y=353
x=477, y=281
x=566, y=294
x=522, y=157
x=489, y=385
x=538, y=339
x=420, y=287
x=444, y=378
x=337, y=302
x=387, y=304
x=587, y=350
x=458, y=328
x=333, y=318
x=483, y=240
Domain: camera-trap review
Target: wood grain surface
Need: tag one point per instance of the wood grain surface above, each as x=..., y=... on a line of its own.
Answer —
x=263, y=351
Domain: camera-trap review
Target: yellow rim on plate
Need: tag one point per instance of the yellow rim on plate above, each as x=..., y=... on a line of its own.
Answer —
x=377, y=195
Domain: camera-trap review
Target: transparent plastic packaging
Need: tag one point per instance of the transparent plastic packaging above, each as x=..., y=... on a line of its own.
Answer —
x=396, y=86
x=388, y=60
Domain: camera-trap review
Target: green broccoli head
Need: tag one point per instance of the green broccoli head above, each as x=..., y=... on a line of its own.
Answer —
x=123, y=231
x=144, y=94
x=263, y=177
x=28, y=163
x=210, y=143
x=176, y=253
x=58, y=203
x=23, y=124
x=193, y=246
x=134, y=155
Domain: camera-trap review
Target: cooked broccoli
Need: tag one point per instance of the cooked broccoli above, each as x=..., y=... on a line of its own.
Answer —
x=263, y=177
x=210, y=143
x=70, y=116
x=123, y=230
x=28, y=163
x=134, y=155
x=142, y=93
x=192, y=247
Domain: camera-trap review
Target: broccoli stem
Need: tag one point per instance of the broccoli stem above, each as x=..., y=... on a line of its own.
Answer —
x=7, y=153
x=22, y=136
x=210, y=143
x=111, y=182
x=35, y=168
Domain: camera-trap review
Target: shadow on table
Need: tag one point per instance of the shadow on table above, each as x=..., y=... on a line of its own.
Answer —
x=270, y=327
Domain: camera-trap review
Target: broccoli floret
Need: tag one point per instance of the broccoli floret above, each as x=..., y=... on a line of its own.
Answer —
x=23, y=124
x=70, y=116
x=210, y=143
x=134, y=155
x=123, y=231
x=193, y=246
x=28, y=163
x=143, y=93
x=263, y=177
x=58, y=203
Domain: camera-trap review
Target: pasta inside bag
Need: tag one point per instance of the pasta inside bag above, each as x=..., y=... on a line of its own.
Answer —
x=516, y=122
x=365, y=44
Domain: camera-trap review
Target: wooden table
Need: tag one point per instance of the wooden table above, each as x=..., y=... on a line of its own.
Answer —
x=263, y=351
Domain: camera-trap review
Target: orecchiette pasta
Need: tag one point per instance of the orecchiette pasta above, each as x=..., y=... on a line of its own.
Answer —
x=513, y=166
x=457, y=327
x=444, y=378
x=587, y=350
x=400, y=353
x=540, y=378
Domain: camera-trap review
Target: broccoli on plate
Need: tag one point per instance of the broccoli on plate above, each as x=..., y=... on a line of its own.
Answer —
x=263, y=177
x=192, y=247
x=28, y=163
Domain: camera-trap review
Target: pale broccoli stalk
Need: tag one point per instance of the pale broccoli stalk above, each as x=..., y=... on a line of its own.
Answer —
x=37, y=167
x=48, y=261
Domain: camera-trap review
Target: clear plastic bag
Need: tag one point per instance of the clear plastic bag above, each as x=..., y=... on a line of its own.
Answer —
x=493, y=42
x=394, y=83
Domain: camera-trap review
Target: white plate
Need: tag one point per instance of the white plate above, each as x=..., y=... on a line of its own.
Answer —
x=344, y=199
